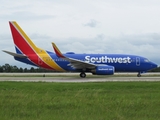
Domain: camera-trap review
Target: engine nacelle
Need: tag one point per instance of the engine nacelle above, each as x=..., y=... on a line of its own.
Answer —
x=103, y=70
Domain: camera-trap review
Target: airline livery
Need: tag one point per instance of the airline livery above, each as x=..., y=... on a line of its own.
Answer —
x=97, y=64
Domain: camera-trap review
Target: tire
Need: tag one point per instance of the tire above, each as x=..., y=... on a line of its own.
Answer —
x=138, y=75
x=82, y=75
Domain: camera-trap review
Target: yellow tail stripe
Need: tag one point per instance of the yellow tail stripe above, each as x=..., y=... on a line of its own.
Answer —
x=49, y=61
x=40, y=52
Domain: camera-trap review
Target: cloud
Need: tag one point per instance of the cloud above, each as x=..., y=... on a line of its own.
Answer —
x=127, y=27
x=92, y=23
x=25, y=16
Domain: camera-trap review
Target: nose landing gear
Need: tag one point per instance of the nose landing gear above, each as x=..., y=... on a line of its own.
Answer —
x=139, y=74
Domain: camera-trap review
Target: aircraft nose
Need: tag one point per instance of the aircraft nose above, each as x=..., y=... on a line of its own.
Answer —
x=153, y=65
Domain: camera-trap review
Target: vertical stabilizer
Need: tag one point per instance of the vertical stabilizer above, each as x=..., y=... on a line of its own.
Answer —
x=22, y=42
x=29, y=50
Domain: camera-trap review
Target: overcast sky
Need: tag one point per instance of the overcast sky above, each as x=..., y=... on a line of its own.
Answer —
x=84, y=26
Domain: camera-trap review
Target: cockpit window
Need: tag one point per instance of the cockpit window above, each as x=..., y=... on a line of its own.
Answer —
x=146, y=60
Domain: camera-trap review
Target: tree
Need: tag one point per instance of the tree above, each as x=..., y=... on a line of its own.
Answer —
x=32, y=69
x=25, y=70
x=7, y=68
x=21, y=70
x=15, y=69
x=1, y=69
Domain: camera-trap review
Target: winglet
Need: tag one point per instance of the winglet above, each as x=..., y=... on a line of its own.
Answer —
x=57, y=51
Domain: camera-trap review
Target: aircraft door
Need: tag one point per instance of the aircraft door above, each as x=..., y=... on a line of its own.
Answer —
x=138, y=61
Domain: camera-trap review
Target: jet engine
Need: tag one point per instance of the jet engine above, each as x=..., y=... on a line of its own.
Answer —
x=103, y=70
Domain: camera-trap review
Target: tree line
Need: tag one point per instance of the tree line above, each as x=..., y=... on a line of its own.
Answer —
x=13, y=69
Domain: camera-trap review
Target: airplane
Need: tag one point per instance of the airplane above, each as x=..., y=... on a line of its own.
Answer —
x=97, y=64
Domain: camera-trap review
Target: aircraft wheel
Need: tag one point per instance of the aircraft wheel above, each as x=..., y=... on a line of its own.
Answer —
x=139, y=75
x=82, y=75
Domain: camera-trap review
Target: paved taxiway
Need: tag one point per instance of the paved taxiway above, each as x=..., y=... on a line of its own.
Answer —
x=76, y=79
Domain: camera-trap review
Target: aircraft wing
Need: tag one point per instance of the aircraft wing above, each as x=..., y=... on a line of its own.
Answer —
x=75, y=63
x=78, y=64
x=15, y=54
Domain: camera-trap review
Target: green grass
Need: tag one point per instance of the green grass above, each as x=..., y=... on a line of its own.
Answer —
x=80, y=101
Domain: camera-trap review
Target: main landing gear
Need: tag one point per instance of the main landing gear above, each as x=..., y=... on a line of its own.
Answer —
x=82, y=75
x=139, y=74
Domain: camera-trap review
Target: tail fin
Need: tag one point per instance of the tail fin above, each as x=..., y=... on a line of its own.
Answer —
x=23, y=43
x=25, y=48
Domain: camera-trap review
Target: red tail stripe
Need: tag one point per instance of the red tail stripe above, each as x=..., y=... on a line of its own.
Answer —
x=58, y=54
x=26, y=48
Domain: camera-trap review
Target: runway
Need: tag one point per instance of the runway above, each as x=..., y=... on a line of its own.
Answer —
x=76, y=79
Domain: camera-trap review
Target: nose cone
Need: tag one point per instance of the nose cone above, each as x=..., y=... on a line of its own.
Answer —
x=153, y=65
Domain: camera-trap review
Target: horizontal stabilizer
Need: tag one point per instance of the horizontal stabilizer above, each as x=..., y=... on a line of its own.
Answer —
x=15, y=54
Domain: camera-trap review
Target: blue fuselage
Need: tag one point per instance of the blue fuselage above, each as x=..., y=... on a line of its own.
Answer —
x=121, y=62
